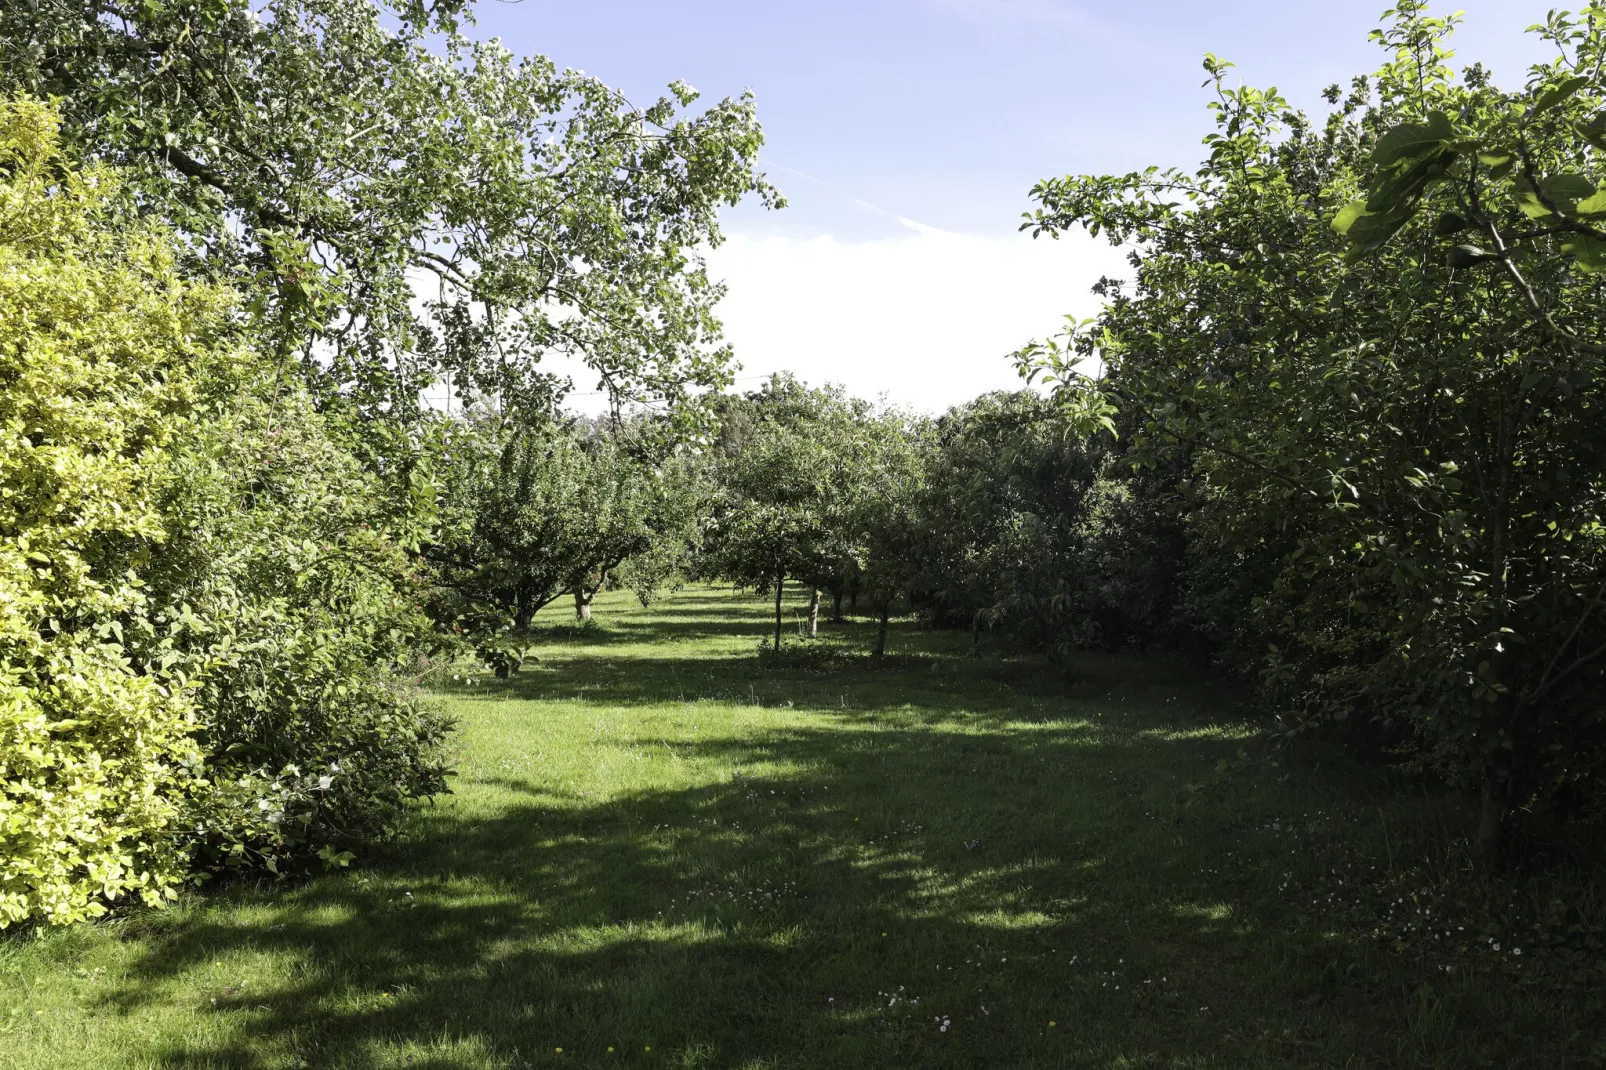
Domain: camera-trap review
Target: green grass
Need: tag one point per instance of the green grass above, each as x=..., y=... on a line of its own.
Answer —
x=659, y=841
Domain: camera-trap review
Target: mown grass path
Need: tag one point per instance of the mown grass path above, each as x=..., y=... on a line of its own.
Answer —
x=663, y=852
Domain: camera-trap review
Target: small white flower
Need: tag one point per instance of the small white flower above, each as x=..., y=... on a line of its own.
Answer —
x=324, y=782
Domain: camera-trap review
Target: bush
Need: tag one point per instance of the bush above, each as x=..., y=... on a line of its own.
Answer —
x=305, y=630
x=99, y=342
x=207, y=606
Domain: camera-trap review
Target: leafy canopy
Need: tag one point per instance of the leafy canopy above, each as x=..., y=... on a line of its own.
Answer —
x=399, y=200
x=1388, y=437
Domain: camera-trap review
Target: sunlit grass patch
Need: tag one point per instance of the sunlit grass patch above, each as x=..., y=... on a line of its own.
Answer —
x=656, y=842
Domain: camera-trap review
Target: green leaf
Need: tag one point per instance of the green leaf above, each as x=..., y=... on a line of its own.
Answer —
x=1409, y=140
x=1594, y=204
x=1594, y=131
x=1347, y=215
x=1401, y=190
x=1528, y=204
x=1589, y=254
x=1571, y=187
x=1565, y=191
x=1557, y=94
x=1372, y=232
x=1500, y=164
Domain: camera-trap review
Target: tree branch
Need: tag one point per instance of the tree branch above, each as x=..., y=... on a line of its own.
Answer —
x=1550, y=326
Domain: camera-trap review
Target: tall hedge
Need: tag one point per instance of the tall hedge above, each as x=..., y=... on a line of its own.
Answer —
x=208, y=605
x=99, y=345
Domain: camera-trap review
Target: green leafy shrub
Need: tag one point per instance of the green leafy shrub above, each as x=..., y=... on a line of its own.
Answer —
x=208, y=607
x=99, y=342
x=303, y=630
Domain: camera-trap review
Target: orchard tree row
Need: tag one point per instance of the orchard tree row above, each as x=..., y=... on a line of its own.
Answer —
x=1338, y=434
x=239, y=244
x=1360, y=370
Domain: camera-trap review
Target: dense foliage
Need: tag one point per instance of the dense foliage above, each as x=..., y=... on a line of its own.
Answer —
x=209, y=606
x=1042, y=534
x=324, y=155
x=290, y=573
x=1384, y=440
x=102, y=347
x=233, y=533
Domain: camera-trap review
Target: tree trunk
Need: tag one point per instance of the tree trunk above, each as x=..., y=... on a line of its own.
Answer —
x=524, y=608
x=836, y=606
x=853, y=600
x=780, y=585
x=881, y=633
x=814, y=614
x=582, y=604
x=1491, y=825
x=975, y=632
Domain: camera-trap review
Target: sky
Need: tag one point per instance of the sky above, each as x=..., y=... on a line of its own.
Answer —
x=906, y=136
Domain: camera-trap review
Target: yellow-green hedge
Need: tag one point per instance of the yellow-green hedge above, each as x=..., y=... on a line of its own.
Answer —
x=100, y=342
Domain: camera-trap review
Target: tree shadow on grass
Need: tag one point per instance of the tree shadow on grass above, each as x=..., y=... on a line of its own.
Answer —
x=940, y=858
x=935, y=682
x=833, y=909
x=722, y=926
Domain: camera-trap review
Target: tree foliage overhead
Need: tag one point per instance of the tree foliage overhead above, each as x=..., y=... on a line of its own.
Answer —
x=334, y=158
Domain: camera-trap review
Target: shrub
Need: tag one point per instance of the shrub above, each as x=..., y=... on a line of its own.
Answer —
x=304, y=629
x=99, y=340
x=207, y=605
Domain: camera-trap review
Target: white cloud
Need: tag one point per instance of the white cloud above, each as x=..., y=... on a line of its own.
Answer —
x=926, y=316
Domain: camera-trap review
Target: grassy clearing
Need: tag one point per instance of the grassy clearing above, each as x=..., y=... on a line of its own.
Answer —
x=664, y=853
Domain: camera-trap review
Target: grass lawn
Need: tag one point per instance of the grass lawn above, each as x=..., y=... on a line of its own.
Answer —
x=663, y=852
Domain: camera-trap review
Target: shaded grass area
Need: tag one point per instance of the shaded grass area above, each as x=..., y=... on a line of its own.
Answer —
x=664, y=851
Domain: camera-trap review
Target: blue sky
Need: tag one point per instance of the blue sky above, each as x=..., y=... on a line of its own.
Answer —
x=906, y=135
